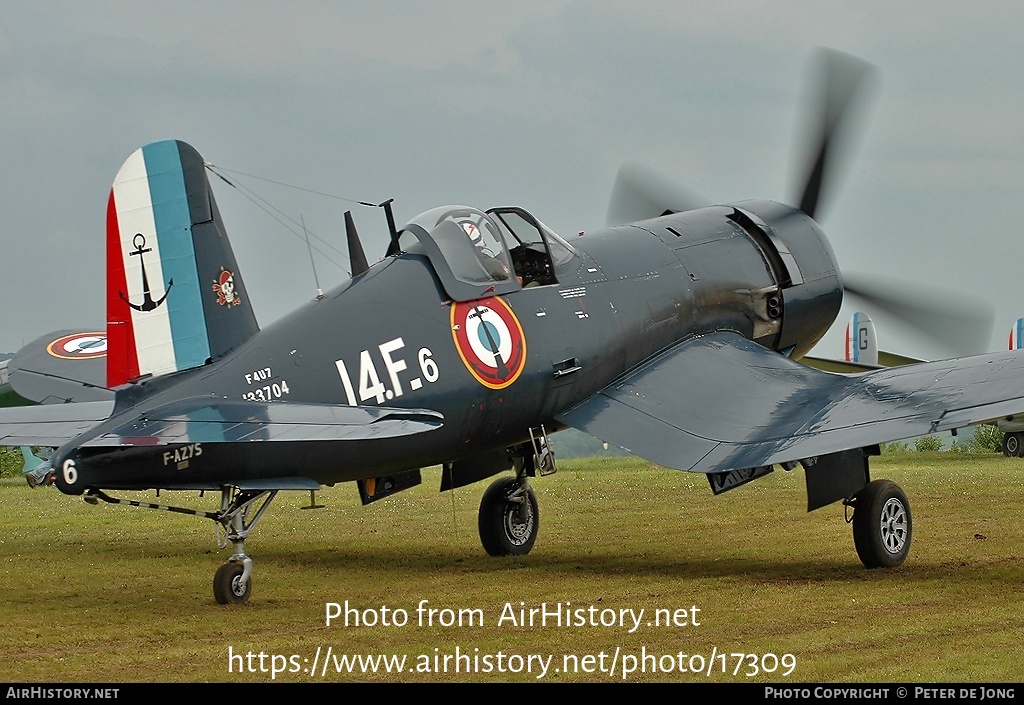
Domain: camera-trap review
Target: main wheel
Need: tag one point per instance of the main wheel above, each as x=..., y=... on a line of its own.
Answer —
x=228, y=588
x=508, y=518
x=881, y=525
x=1012, y=445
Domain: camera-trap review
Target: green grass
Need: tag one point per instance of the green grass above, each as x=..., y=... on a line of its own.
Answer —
x=115, y=594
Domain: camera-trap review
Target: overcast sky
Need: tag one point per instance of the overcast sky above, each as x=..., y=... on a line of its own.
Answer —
x=533, y=104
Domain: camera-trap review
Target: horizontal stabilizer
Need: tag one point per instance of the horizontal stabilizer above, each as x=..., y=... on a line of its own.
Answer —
x=51, y=425
x=885, y=359
x=217, y=420
x=762, y=408
x=888, y=359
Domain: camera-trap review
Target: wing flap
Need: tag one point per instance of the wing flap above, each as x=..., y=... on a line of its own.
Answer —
x=721, y=402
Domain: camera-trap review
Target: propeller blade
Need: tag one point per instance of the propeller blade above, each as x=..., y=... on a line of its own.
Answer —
x=844, y=79
x=640, y=193
x=961, y=324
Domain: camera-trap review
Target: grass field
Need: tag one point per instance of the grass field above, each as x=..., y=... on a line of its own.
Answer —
x=113, y=594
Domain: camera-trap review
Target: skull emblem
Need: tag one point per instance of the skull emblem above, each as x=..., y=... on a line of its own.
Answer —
x=224, y=286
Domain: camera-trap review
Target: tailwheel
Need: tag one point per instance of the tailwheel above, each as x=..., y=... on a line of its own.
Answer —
x=509, y=518
x=240, y=511
x=239, y=514
x=881, y=524
x=231, y=586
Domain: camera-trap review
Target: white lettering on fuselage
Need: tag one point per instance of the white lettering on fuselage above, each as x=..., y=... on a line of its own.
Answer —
x=180, y=457
x=264, y=392
x=371, y=387
x=258, y=376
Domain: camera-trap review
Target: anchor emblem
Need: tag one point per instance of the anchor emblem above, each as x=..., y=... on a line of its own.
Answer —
x=148, y=304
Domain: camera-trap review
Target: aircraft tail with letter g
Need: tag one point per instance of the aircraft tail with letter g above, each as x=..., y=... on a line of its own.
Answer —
x=860, y=353
x=1017, y=335
x=175, y=298
x=861, y=341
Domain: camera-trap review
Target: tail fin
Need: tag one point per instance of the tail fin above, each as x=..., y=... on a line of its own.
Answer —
x=1017, y=335
x=175, y=298
x=861, y=342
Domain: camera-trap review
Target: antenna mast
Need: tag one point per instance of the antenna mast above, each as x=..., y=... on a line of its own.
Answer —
x=319, y=291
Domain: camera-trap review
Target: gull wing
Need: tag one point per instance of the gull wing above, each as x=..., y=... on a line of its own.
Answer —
x=720, y=402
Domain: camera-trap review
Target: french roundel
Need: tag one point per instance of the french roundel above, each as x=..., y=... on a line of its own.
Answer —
x=490, y=341
x=79, y=346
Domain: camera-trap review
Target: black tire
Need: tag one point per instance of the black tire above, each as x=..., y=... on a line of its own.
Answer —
x=228, y=588
x=508, y=528
x=1012, y=445
x=882, y=526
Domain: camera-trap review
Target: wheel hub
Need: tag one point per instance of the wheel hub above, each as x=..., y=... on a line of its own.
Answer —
x=238, y=586
x=894, y=526
x=518, y=523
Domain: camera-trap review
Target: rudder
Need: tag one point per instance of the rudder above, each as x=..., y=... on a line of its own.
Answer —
x=175, y=298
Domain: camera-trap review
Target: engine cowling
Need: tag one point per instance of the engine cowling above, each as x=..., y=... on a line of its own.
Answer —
x=805, y=266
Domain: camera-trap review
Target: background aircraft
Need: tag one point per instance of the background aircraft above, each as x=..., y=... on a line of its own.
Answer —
x=1013, y=427
x=861, y=341
x=675, y=335
x=8, y=397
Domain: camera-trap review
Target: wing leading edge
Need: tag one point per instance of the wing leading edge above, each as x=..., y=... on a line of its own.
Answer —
x=720, y=402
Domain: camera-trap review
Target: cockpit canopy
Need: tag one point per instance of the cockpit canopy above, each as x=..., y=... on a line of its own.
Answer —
x=478, y=254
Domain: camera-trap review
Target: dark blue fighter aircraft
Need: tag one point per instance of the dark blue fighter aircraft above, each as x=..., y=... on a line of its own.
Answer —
x=676, y=336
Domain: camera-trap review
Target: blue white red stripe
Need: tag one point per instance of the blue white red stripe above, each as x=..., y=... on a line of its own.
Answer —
x=1017, y=334
x=149, y=198
x=852, y=353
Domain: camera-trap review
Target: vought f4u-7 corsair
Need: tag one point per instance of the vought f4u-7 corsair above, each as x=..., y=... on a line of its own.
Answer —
x=676, y=335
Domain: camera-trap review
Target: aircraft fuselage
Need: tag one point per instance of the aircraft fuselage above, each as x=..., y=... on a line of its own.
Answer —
x=761, y=269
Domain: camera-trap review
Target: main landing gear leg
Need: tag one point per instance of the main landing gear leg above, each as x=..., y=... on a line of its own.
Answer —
x=233, y=582
x=509, y=518
x=881, y=512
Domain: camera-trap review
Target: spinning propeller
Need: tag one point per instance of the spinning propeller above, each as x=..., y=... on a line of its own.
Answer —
x=640, y=193
x=963, y=326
